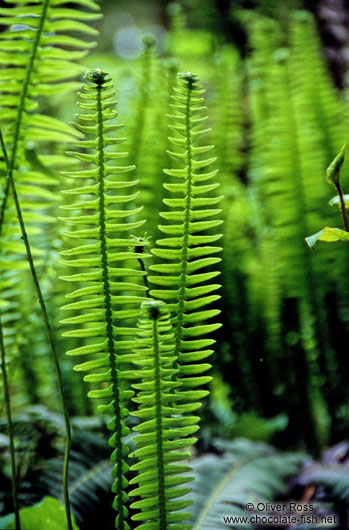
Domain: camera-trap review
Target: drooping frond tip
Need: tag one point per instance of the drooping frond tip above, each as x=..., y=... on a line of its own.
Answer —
x=333, y=170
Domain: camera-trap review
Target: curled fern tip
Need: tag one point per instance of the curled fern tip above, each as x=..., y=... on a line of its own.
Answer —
x=152, y=308
x=96, y=76
x=189, y=77
x=140, y=244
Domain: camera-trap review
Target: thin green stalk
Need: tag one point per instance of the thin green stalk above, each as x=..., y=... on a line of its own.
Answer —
x=145, y=277
x=342, y=207
x=7, y=400
x=48, y=330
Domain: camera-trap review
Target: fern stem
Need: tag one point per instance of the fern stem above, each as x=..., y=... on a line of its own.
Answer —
x=186, y=226
x=342, y=207
x=159, y=428
x=21, y=108
x=48, y=331
x=108, y=309
x=7, y=401
x=145, y=277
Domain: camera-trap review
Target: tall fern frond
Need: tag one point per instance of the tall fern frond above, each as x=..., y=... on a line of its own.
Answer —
x=102, y=226
x=228, y=117
x=162, y=428
x=188, y=248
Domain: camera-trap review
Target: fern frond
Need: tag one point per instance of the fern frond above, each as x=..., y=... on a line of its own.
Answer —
x=162, y=428
x=188, y=250
x=228, y=117
x=102, y=225
x=35, y=62
x=245, y=472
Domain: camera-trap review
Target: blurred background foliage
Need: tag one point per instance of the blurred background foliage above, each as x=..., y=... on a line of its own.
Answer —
x=277, y=120
x=277, y=96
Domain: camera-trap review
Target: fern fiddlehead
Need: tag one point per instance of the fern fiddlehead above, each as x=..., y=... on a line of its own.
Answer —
x=107, y=340
x=187, y=250
x=162, y=430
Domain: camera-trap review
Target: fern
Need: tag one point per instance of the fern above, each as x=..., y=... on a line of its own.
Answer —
x=245, y=472
x=162, y=429
x=105, y=247
x=35, y=63
x=188, y=251
x=288, y=157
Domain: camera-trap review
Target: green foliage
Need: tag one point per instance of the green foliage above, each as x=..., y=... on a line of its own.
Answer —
x=333, y=170
x=329, y=235
x=163, y=431
x=43, y=66
x=106, y=245
x=279, y=355
x=187, y=248
x=36, y=65
x=48, y=513
x=245, y=472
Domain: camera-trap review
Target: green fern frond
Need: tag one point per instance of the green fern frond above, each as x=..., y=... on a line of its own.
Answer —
x=245, y=472
x=162, y=428
x=188, y=250
x=102, y=224
x=35, y=62
x=228, y=116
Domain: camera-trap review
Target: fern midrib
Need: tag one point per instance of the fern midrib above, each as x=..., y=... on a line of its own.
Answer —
x=21, y=109
x=159, y=427
x=108, y=308
x=186, y=230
